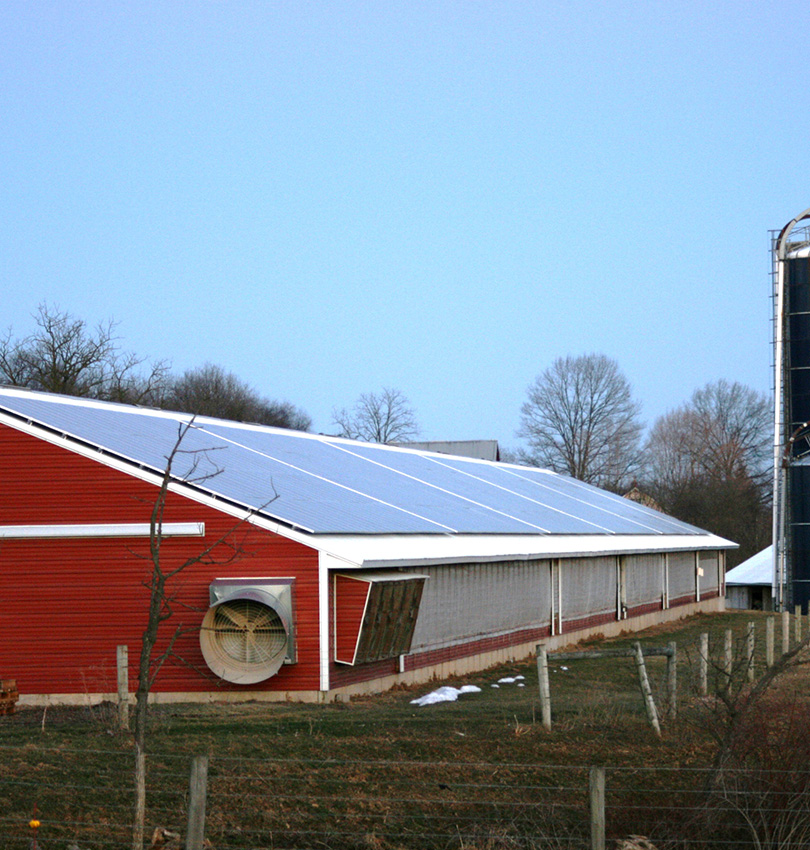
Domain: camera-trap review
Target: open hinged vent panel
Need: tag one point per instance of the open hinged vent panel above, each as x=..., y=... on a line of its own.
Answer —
x=375, y=614
x=249, y=630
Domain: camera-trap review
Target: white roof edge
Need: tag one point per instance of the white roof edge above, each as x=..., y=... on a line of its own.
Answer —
x=372, y=552
x=380, y=575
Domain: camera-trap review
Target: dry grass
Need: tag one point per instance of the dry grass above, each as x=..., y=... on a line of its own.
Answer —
x=378, y=773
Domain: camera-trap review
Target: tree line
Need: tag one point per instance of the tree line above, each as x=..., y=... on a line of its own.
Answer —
x=64, y=355
x=707, y=462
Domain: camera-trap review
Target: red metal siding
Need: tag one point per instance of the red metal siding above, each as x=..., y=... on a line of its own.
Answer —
x=588, y=622
x=66, y=604
x=350, y=596
x=646, y=608
x=684, y=600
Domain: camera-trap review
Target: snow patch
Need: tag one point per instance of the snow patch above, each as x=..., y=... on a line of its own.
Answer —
x=446, y=694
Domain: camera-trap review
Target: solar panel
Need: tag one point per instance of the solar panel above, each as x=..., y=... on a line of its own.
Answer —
x=326, y=485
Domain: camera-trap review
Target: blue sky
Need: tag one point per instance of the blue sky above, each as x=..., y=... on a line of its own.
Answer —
x=329, y=198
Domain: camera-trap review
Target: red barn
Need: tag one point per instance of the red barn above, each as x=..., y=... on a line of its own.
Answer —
x=315, y=565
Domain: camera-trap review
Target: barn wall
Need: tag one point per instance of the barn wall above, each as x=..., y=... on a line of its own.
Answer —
x=462, y=665
x=588, y=588
x=490, y=611
x=708, y=573
x=67, y=604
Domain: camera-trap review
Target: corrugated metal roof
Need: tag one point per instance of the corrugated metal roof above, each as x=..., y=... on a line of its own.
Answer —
x=758, y=569
x=327, y=485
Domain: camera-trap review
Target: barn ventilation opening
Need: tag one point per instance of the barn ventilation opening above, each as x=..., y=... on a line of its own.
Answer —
x=375, y=614
x=248, y=632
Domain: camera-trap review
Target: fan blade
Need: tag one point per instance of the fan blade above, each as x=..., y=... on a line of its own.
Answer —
x=263, y=618
x=238, y=618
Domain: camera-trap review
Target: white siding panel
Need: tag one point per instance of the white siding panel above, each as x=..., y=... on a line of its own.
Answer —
x=709, y=581
x=462, y=601
x=681, y=574
x=588, y=586
x=645, y=579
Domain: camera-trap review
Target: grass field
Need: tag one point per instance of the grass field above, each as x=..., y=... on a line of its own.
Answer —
x=381, y=772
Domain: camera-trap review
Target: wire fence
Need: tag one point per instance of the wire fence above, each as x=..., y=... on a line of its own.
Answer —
x=330, y=803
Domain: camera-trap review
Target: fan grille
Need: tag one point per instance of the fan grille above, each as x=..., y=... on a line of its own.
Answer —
x=248, y=632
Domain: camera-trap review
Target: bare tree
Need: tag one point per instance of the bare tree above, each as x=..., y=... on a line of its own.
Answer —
x=709, y=463
x=211, y=391
x=735, y=429
x=384, y=417
x=162, y=603
x=580, y=419
x=63, y=355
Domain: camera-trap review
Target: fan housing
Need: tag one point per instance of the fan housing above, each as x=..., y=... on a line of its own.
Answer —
x=249, y=631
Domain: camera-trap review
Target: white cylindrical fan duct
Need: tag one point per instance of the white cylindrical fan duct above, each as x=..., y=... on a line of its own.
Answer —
x=244, y=637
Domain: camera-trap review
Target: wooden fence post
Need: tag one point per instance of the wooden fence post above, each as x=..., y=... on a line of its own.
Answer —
x=672, y=680
x=797, y=623
x=545, y=690
x=750, y=653
x=769, y=641
x=596, y=798
x=728, y=653
x=785, y=631
x=704, y=663
x=122, y=663
x=646, y=690
x=197, y=791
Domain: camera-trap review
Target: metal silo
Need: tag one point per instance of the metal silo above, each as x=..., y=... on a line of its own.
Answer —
x=791, y=517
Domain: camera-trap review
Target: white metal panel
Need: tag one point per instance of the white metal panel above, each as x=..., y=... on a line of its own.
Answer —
x=462, y=601
x=681, y=574
x=588, y=587
x=82, y=530
x=708, y=577
x=644, y=576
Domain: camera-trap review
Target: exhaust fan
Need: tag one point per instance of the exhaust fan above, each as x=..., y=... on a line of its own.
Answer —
x=248, y=632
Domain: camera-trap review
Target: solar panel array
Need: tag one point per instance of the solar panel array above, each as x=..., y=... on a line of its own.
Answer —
x=327, y=485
